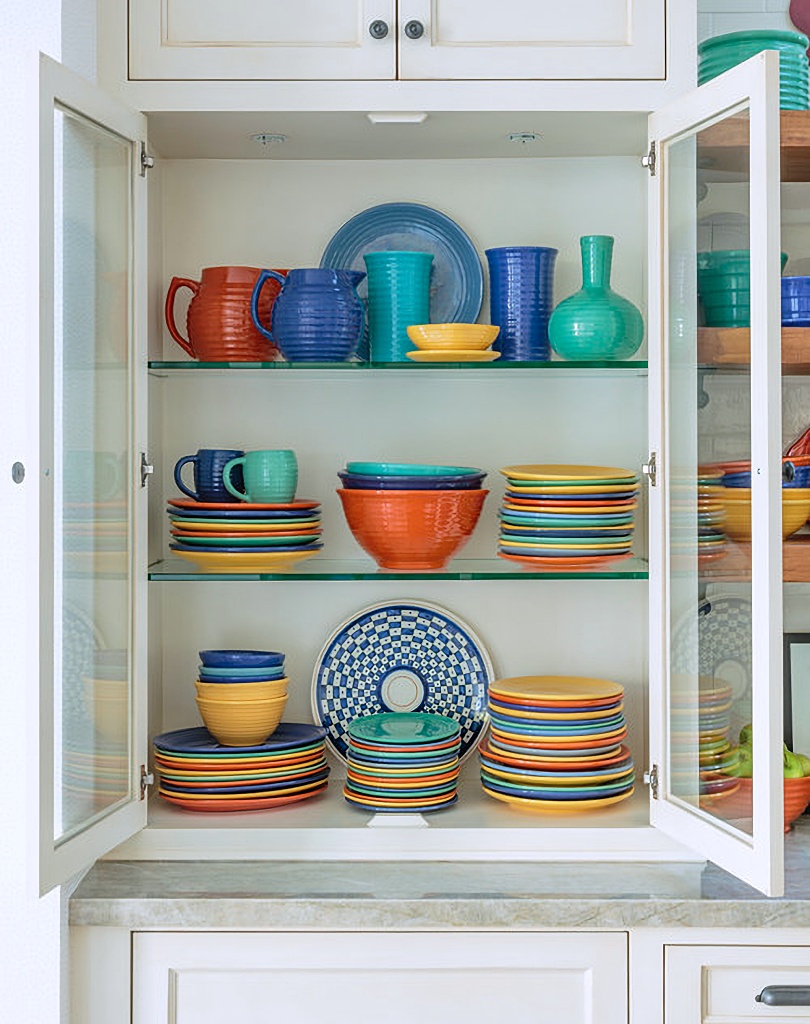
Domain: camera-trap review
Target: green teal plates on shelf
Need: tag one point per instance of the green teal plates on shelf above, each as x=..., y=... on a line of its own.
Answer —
x=403, y=728
x=407, y=469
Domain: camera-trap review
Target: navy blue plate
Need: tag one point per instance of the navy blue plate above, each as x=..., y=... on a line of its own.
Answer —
x=259, y=787
x=200, y=741
x=241, y=551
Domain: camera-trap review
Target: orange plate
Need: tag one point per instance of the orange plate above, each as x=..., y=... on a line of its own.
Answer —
x=563, y=562
x=243, y=506
x=581, y=743
x=405, y=784
x=257, y=804
x=574, y=763
x=236, y=764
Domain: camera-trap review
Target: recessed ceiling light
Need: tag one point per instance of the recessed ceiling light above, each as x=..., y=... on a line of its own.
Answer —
x=525, y=137
x=268, y=138
x=397, y=116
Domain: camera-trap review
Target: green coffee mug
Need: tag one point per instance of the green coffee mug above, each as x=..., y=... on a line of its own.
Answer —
x=270, y=476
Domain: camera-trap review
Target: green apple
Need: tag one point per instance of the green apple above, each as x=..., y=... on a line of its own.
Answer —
x=791, y=765
x=746, y=766
x=805, y=763
x=747, y=735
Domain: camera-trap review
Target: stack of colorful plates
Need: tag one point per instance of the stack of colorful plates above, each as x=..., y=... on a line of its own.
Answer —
x=703, y=495
x=403, y=762
x=96, y=537
x=703, y=729
x=556, y=744
x=720, y=53
x=561, y=516
x=199, y=774
x=240, y=536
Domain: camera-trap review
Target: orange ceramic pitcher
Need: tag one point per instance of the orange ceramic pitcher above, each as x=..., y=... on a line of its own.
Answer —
x=220, y=327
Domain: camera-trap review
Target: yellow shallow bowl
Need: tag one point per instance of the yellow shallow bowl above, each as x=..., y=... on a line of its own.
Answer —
x=453, y=336
x=241, y=725
x=268, y=689
x=795, y=513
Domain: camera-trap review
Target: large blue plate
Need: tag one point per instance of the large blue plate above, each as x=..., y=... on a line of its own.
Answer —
x=199, y=740
x=402, y=657
x=457, y=278
x=281, y=549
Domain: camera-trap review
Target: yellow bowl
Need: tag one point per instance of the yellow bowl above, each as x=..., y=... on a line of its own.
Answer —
x=795, y=512
x=469, y=337
x=227, y=692
x=241, y=725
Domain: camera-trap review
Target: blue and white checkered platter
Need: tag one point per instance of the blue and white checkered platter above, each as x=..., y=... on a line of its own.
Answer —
x=402, y=657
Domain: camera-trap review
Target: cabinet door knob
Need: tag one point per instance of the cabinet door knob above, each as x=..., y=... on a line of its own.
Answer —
x=414, y=29
x=378, y=29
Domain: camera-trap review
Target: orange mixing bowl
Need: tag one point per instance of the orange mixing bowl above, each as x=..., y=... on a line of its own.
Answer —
x=412, y=529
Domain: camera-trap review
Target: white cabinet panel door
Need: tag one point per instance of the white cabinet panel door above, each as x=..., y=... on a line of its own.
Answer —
x=275, y=39
x=575, y=39
x=718, y=984
x=367, y=978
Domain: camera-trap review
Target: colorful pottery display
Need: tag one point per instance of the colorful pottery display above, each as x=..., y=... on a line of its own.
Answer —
x=521, y=281
x=219, y=322
x=596, y=322
x=398, y=296
x=720, y=53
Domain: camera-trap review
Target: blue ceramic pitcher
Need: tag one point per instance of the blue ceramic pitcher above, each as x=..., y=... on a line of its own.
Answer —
x=318, y=317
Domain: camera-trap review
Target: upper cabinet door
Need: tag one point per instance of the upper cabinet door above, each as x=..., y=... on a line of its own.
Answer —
x=274, y=39
x=716, y=551
x=575, y=39
x=92, y=506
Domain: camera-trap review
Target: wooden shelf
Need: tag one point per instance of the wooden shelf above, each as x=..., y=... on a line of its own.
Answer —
x=736, y=565
x=724, y=147
x=731, y=346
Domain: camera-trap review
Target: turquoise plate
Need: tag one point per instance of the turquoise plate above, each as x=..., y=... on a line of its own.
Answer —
x=408, y=469
x=399, y=728
x=285, y=540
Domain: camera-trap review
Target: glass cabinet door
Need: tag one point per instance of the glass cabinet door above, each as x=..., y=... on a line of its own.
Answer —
x=715, y=498
x=89, y=498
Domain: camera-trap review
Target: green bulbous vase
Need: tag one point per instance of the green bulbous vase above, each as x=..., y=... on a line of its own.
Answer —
x=595, y=322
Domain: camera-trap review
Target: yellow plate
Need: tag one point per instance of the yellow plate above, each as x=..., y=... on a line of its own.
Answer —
x=568, y=741
x=566, y=472
x=551, y=688
x=549, y=544
x=233, y=561
x=456, y=355
x=560, y=806
x=560, y=716
x=552, y=492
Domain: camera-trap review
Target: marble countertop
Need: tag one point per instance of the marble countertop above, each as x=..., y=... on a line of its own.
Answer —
x=289, y=895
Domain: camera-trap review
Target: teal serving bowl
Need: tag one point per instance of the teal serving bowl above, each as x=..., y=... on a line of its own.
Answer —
x=408, y=469
x=765, y=39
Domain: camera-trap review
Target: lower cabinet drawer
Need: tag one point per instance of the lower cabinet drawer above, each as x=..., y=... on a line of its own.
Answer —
x=360, y=978
x=725, y=984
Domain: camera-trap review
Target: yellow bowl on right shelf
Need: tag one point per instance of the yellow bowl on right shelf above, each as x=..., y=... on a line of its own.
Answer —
x=241, y=724
x=737, y=503
x=265, y=690
x=450, y=337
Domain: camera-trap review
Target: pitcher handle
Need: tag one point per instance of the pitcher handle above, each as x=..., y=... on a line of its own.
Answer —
x=226, y=477
x=265, y=275
x=174, y=287
x=178, y=477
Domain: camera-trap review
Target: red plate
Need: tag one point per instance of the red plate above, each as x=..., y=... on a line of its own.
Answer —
x=564, y=562
x=257, y=804
x=577, y=506
x=243, y=506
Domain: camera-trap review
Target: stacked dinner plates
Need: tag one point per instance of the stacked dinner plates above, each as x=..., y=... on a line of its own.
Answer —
x=720, y=53
x=701, y=722
x=199, y=774
x=406, y=762
x=561, y=516
x=95, y=537
x=242, y=536
x=698, y=514
x=556, y=744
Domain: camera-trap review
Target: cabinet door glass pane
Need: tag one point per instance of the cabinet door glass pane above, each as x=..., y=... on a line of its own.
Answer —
x=92, y=463
x=710, y=460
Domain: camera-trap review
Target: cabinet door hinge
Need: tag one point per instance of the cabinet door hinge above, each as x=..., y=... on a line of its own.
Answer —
x=648, y=161
x=147, y=161
x=650, y=469
x=651, y=780
x=147, y=780
x=146, y=469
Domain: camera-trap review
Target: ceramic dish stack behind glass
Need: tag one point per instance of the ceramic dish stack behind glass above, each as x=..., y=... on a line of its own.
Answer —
x=556, y=744
x=567, y=517
x=721, y=53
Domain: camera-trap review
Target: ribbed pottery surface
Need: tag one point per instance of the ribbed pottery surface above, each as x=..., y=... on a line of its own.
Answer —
x=521, y=300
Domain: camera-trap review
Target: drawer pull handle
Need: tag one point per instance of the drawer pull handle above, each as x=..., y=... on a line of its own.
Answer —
x=785, y=995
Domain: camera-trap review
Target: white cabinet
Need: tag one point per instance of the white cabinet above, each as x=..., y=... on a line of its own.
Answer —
x=242, y=39
x=531, y=978
x=710, y=984
x=580, y=39
x=416, y=39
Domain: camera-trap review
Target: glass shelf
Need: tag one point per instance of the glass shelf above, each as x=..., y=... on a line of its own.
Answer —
x=638, y=366
x=363, y=569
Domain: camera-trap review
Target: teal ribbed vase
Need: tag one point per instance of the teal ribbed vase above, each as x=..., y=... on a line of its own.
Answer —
x=595, y=322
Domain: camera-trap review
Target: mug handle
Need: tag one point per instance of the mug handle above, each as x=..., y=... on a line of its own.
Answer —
x=178, y=479
x=265, y=275
x=226, y=478
x=174, y=287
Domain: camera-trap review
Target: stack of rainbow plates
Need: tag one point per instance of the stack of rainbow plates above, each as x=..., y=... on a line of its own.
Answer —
x=703, y=731
x=703, y=536
x=562, y=516
x=406, y=762
x=241, y=536
x=199, y=774
x=555, y=744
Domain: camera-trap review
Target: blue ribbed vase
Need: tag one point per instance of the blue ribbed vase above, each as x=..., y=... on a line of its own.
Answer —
x=521, y=296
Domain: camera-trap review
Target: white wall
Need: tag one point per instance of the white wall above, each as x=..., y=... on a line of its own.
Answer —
x=718, y=16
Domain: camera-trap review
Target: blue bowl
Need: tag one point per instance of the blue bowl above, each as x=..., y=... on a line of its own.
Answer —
x=224, y=659
x=796, y=288
x=792, y=476
x=365, y=482
x=260, y=677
